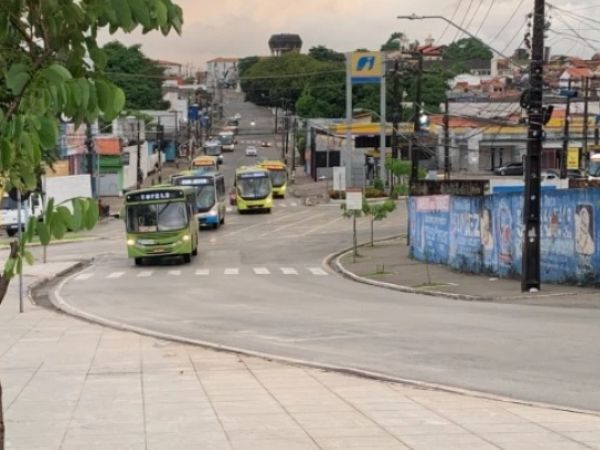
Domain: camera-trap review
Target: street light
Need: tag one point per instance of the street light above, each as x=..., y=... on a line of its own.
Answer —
x=415, y=17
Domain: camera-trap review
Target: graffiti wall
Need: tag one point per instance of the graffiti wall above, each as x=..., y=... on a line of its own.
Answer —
x=485, y=234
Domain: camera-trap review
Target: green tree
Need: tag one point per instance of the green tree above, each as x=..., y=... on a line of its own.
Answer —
x=393, y=42
x=44, y=50
x=245, y=63
x=139, y=77
x=377, y=212
x=467, y=49
x=322, y=53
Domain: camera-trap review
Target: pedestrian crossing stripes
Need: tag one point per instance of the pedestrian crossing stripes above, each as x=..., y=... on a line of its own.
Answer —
x=115, y=275
x=261, y=271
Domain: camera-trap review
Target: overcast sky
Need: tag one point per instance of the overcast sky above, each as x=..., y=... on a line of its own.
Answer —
x=241, y=28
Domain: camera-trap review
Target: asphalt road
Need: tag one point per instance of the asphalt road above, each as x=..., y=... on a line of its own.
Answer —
x=258, y=284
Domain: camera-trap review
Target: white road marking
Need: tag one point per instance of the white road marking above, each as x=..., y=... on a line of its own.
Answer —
x=175, y=273
x=84, y=276
x=318, y=227
x=232, y=271
x=294, y=204
x=145, y=273
x=317, y=271
x=288, y=225
x=289, y=271
x=202, y=272
x=282, y=205
x=115, y=275
x=261, y=271
x=229, y=209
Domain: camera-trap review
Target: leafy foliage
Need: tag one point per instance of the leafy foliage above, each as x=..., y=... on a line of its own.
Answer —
x=322, y=53
x=139, y=77
x=467, y=49
x=54, y=67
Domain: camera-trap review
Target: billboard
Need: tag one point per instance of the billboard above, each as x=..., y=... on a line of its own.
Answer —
x=366, y=67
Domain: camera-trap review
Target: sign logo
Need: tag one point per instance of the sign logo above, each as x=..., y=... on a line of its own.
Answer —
x=365, y=67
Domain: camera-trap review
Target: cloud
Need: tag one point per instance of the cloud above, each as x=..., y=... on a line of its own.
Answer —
x=242, y=28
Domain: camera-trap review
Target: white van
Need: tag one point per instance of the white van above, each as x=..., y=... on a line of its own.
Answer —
x=9, y=212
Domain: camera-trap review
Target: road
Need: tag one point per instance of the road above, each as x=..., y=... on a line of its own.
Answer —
x=258, y=284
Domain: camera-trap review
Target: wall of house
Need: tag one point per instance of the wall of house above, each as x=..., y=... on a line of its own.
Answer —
x=484, y=234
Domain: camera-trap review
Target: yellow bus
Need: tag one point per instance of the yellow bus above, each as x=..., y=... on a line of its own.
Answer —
x=206, y=162
x=253, y=189
x=278, y=173
x=161, y=221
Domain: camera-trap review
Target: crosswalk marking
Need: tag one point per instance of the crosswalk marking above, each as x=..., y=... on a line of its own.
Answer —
x=294, y=204
x=283, y=205
x=84, y=276
x=317, y=271
x=115, y=275
x=206, y=272
x=229, y=209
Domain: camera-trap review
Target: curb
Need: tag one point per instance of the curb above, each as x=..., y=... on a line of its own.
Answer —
x=77, y=266
x=60, y=304
x=334, y=262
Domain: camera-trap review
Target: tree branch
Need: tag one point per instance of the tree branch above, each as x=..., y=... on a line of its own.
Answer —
x=4, y=280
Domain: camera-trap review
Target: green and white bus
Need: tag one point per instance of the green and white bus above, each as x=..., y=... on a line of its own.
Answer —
x=161, y=221
x=211, y=203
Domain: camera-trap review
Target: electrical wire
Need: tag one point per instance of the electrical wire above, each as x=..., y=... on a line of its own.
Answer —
x=451, y=19
x=485, y=17
x=462, y=22
x=512, y=16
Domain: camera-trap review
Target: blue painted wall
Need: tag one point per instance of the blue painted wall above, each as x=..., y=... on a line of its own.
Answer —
x=484, y=234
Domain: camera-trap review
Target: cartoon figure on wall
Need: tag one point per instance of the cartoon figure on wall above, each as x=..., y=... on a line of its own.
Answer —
x=584, y=230
x=485, y=230
x=505, y=229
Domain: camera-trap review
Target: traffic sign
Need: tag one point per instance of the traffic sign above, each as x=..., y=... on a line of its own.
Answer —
x=354, y=199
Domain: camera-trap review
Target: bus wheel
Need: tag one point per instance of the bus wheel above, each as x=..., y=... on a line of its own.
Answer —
x=195, y=251
x=187, y=258
x=268, y=210
x=223, y=220
x=138, y=261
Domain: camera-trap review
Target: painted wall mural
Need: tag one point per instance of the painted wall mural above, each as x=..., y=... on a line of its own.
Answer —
x=485, y=234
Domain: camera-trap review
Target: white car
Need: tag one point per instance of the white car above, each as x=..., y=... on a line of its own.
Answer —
x=251, y=150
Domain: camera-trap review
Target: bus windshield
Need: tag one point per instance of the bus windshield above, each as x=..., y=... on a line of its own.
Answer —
x=254, y=187
x=156, y=217
x=205, y=197
x=213, y=150
x=278, y=177
x=226, y=139
x=594, y=170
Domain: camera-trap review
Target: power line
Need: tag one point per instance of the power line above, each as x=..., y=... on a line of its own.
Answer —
x=451, y=19
x=485, y=17
x=458, y=32
x=514, y=13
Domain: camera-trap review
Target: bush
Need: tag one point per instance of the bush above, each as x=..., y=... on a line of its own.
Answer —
x=337, y=195
x=372, y=192
x=378, y=184
x=400, y=189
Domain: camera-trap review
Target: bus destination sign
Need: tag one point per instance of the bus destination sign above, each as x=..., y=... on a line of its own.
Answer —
x=154, y=196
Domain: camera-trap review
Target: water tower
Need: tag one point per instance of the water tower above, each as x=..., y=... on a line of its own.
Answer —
x=284, y=43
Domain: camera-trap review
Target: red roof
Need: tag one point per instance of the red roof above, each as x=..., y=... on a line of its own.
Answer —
x=108, y=145
x=578, y=72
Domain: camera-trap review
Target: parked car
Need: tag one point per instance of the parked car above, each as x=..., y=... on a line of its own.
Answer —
x=515, y=168
x=553, y=174
x=251, y=151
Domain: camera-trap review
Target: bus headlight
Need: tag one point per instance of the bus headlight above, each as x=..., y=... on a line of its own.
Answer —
x=185, y=238
x=130, y=242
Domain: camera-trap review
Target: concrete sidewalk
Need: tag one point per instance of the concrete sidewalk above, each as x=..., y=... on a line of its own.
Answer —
x=69, y=384
x=388, y=264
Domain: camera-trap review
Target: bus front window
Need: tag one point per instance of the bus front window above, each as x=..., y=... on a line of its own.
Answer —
x=205, y=197
x=594, y=170
x=152, y=218
x=278, y=177
x=257, y=187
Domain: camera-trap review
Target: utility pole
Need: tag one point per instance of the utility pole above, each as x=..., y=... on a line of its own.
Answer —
x=140, y=175
x=395, y=115
x=565, y=146
x=414, y=167
x=446, y=140
x=159, y=140
x=91, y=153
x=287, y=137
x=530, y=277
x=275, y=120
x=585, y=152
x=295, y=131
